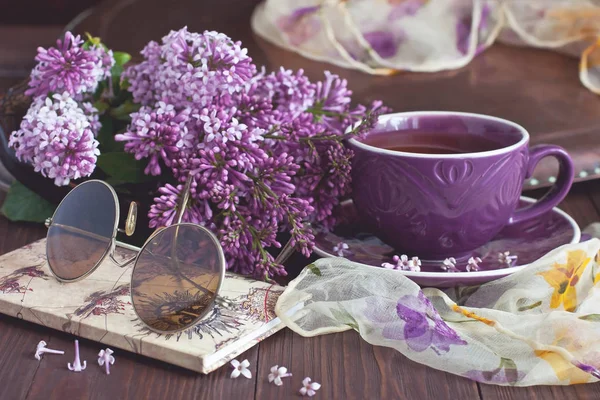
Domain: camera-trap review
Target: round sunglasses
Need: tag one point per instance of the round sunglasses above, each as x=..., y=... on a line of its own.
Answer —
x=177, y=273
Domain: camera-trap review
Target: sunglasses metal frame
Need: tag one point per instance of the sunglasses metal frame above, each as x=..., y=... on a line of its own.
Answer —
x=129, y=228
x=110, y=251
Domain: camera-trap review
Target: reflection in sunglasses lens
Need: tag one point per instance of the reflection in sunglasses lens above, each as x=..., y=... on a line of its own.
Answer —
x=176, y=277
x=82, y=230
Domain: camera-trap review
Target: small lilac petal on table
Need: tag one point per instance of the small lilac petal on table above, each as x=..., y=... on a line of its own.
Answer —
x=240, y=368
x=106, y=358
x=77, y=365
x=277, y=373
x=309, y=388
x=41, y=349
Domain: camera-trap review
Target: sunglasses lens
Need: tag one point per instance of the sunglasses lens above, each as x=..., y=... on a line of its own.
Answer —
x=81, y=231
x=176, y=277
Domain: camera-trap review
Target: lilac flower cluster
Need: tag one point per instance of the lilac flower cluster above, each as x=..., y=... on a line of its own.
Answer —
x=189, y=69
x=265, y=150
x=70, y=68
x=57, y=135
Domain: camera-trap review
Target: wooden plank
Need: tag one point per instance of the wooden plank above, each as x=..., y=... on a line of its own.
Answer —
x=350, y=368
x=133, y=377
x=18, y=341
x=580, y=392
x=593, y=190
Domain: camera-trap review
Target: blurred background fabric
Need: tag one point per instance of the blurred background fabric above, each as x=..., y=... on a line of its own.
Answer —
x=385, y=36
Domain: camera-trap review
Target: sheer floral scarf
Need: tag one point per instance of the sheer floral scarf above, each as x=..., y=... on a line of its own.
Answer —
x=539, y=326
x=385, y=36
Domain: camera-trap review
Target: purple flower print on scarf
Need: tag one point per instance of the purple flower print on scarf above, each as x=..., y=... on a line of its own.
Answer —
x=424, y=327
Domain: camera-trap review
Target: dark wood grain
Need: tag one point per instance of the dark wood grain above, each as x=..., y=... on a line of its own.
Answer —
x=18, y=367
x=552, y=105
x=132, y=377
x=579, y=392
x=349, y=368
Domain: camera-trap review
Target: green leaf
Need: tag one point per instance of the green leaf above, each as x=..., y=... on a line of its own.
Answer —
x=93, y=40
x=123, y=167
x=101, y=106
x=106, y=136
x=116, y=72
x=21, y=204
x=314, y=269
x=344, y=317
x=121, y=58
x=124, y=84
x=591, y=317
x=122, y=111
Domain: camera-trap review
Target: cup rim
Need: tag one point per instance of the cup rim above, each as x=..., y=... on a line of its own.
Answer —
x=503, y=150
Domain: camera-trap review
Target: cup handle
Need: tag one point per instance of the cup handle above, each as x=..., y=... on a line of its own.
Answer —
x=557, y=192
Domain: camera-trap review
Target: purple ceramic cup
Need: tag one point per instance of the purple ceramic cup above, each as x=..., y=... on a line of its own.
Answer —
x=445, y=205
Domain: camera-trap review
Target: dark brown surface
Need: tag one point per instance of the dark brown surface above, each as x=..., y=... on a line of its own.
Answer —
x=42, y=11
x=347, y=367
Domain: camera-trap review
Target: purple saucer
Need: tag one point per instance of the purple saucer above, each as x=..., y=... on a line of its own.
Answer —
x=527, y=241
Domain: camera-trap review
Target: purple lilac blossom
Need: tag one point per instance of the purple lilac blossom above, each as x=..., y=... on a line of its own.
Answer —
x=69, y=67
x=92, y=114
x=156, y=133
x=264, y=150
x=190, y=69
x=287, y=91
x=57, y=138
x=163, y=211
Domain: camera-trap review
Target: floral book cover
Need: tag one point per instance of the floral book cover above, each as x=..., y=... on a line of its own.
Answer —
x=99, y=308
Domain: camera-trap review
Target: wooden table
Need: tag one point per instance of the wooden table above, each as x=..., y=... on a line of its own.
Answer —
x=347, y=367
